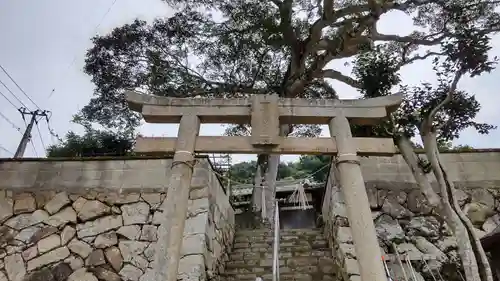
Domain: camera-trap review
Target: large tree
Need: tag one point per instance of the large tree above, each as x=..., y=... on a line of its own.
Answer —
x=238, y=48
x=436, y=114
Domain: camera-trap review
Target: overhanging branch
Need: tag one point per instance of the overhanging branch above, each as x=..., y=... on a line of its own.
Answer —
x=334, y=74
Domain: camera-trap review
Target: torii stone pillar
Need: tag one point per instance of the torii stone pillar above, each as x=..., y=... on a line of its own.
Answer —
x=358, y=207
x=175, y=205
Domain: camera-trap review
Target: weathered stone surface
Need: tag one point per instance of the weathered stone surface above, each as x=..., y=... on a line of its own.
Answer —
x=42, y=233
x=48, y=243
x=149, y=233
x=56, y=255
x=136, y=213
x=80, y=248
x=62, y=217
x=394, y=209
x=423, y=226
x=40, y=275
x=98, y=226
x=61, y=271
x=447, y=244
x=153, y=199
x=388, y=229
x=3, y=277
x=82, y=275
x=106, y=274
x=42, y=197
x=193, y=244
x=130, y=272
x=14, y=266
x=116, y=198
x=149, y=252
x=410, y=249
x=191, y=267
x=478, y=213
x=491, y=223
x=105, y=240
x=67, y=234
x=24, y=203
x=28, y=235
x=78, y=204
x=483, y=196
x=30, y=253
x=461, y=197
x=428, y=248
x=96, y=258
x=131, y=252
x=148, y=275
x=131, y=232
x=92, y=209
x=57, y=202
x=158, y=217
x=25, y=220
x=6, y=208
x=114, y=257
x=74, y=262
x=417, y=203
x=372, y=197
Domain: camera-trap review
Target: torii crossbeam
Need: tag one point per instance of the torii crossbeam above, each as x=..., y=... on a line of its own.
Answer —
x=265, y=114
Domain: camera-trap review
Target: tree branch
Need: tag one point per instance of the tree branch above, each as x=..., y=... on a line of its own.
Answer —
x=334, y=74
x=448, y=98
x=407, y=39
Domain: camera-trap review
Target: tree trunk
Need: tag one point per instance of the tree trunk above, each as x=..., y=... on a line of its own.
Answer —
x=257, y=191
x=474, y=258
x=442, y=208
x=269, y=185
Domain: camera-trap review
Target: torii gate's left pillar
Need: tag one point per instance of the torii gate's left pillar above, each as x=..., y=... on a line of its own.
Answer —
x=175, y=205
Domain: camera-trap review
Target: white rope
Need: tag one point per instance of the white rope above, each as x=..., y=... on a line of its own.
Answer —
x=299, y=196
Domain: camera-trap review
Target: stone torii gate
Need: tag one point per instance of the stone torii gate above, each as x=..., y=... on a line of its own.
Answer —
x=265, y=113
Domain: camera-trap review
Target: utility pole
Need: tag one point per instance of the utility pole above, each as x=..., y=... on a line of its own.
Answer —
x=27, y=133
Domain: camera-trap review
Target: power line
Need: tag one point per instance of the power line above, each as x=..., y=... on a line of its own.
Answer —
x=19, y=87
x=8, y=99
x=6, y=150
x=93, y=32
x=10, y=122
x=40, y=135
x=12, y=93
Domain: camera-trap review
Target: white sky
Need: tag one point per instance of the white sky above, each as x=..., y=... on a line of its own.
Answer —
x=43, y=45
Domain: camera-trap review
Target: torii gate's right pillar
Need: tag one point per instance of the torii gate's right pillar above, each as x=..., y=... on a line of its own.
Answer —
x=358, y=207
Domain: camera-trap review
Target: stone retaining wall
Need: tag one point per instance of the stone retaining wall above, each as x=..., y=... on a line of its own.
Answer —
x=83, y=220
x=403, y=217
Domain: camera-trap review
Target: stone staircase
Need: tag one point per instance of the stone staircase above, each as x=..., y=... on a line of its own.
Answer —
x=304, y=256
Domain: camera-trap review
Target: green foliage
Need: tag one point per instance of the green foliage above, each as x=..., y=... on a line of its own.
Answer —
x=93, y=143
x=244, y=172
x=238, y=48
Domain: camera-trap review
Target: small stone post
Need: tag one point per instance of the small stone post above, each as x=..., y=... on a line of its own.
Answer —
x=358, y=207
x=175, y=206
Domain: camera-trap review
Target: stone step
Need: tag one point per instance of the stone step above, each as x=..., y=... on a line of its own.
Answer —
x=292, y=261
x=254, y=258
x=304, y=256
x=267, y=239
x=284, y=276
x=283, y=244
x=270, y=233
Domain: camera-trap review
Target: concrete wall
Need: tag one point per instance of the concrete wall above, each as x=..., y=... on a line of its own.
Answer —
x=472, y=169
x=84, y=220
x=402, y=215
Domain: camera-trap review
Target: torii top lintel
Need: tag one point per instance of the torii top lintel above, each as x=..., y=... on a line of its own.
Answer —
x=156, y=109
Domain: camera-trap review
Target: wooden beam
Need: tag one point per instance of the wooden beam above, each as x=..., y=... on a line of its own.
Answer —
x=291, y=111
x=243, y=145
